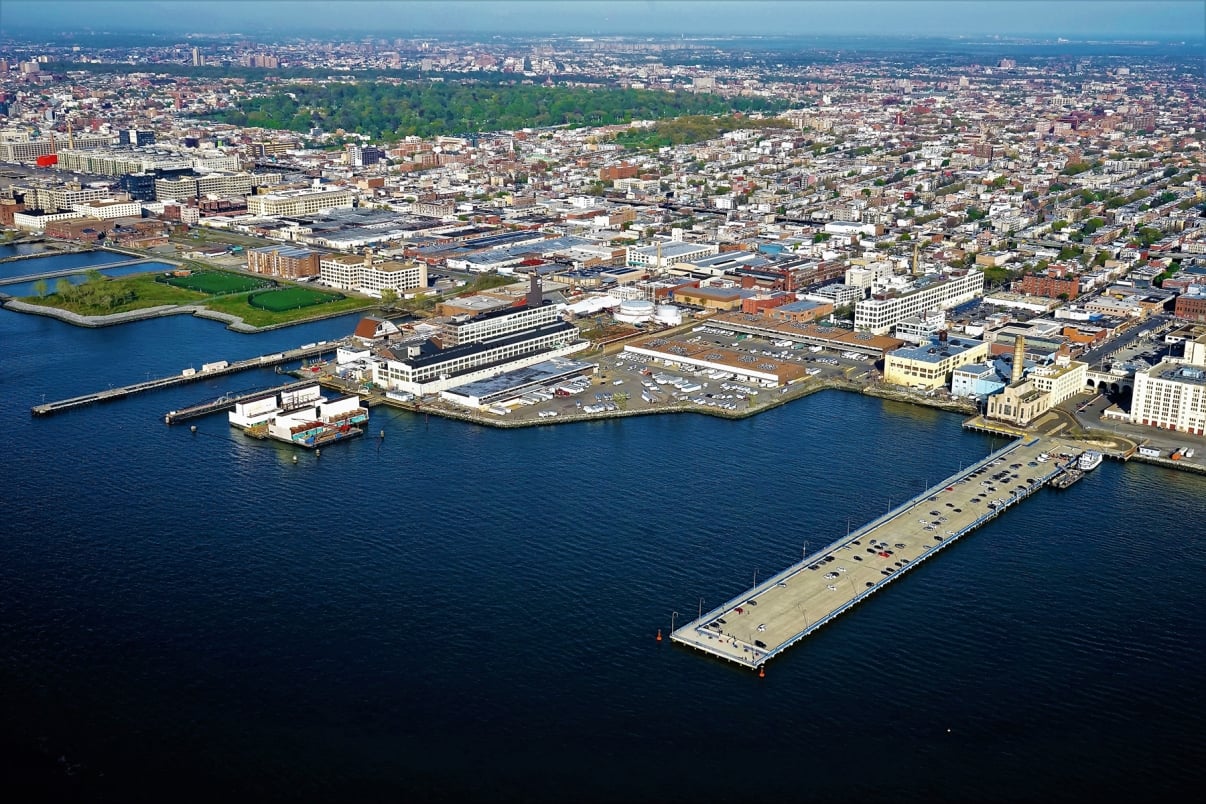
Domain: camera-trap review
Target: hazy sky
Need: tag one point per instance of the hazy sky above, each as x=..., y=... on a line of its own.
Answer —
x=1071, y=18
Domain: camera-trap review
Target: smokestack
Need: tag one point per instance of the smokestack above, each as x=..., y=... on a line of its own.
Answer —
x=535, y=297
x=1019, y=358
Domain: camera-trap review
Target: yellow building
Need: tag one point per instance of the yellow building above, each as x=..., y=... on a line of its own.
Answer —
x=930, y=365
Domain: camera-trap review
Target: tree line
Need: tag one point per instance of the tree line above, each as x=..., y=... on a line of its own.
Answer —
x=691, y=129
x=393, y=111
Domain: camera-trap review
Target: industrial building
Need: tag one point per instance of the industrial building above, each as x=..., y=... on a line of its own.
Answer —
x=883, y=311
x=1172, y=394
x=930, y=365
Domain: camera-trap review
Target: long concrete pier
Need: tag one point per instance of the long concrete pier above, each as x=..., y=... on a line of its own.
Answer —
x=764, y=621
x=216, y=369
x=228, y=401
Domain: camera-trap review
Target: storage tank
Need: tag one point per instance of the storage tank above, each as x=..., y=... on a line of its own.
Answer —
x=669, y=315
x=635, y=311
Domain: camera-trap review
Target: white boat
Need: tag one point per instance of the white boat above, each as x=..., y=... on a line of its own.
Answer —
x=1089, y=460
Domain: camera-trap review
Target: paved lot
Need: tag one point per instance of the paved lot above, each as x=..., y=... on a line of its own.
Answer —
x=784, y=608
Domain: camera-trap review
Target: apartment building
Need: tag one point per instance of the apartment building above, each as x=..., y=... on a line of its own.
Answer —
x=219, y=184
x=289, y=262
x=363, y=274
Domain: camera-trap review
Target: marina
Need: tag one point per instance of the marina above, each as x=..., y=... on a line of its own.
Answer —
x=219, y=368
x=762, y=622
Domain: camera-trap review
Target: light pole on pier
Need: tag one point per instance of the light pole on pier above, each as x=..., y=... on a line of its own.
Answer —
x=673, y=616
x=701, y=608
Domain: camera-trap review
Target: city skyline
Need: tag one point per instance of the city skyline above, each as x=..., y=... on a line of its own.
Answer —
x=1075, y=19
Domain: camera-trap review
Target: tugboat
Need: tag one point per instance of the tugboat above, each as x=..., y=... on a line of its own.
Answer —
x=1089, y=460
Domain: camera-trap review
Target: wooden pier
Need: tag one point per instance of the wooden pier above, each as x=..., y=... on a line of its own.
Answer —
x=764, y=621
x=216, y=369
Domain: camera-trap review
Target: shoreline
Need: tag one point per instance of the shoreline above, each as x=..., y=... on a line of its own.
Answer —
x=1097, y=438
x=233, y=322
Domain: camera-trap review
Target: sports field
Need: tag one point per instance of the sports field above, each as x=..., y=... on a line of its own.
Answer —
x=217, y=283
x=283, y=299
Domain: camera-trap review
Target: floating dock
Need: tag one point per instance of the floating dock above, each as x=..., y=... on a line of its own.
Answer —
x=766, y=620
x=217, y=369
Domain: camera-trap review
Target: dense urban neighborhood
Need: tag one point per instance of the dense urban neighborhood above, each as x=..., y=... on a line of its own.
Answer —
x=985, y=232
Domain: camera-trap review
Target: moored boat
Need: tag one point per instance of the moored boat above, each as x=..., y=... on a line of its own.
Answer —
x=1089, y=460
x=1067, y=477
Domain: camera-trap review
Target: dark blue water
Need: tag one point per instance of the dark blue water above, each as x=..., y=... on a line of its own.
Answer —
x=21, y=289
x=460, y=613
x=58, y=262
x=20, y=249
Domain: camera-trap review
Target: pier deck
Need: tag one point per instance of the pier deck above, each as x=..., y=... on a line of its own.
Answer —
x=263, y=361
x=764, y=621
x=229, y=401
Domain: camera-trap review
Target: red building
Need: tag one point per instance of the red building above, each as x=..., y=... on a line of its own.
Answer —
x=1057, y=281
x=1191, y=307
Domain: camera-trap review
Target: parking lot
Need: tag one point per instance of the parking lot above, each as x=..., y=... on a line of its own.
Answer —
x=628, y=382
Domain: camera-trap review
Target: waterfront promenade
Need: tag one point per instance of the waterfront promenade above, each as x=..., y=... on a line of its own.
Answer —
x=779, y=611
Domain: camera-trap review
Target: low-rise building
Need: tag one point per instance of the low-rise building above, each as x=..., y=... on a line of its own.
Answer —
x=930, y=365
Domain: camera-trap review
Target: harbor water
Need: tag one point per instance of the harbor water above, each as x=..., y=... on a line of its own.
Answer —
x=453, y=612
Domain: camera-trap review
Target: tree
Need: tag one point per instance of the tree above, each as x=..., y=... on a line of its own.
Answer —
x=389, y=297
x=64, y=288
x=40, y=287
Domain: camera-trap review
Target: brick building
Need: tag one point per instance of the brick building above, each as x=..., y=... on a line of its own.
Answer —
x=289, y=262
x=1057, y=281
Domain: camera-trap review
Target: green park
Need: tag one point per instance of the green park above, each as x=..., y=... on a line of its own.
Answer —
x=258, y=302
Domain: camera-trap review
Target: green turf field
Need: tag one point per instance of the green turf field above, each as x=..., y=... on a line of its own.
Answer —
x=290, y=299
x=217, y=282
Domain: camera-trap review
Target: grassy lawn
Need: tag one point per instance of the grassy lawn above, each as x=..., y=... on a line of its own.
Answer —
x=217, y=282
x=237, y=305
x=136, y=292
x=278, y=301
x=117, y=296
